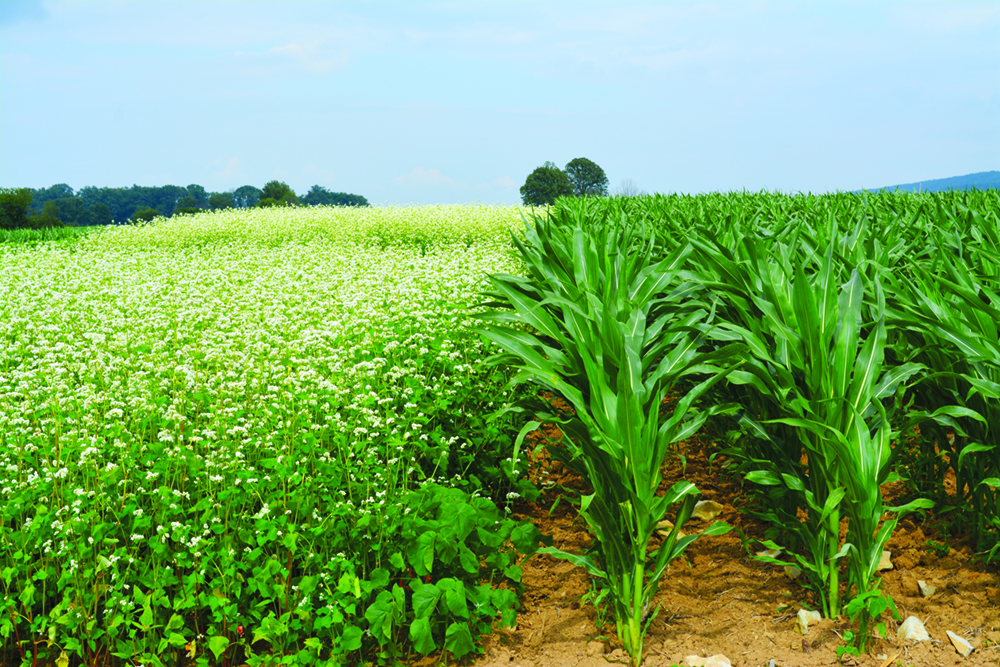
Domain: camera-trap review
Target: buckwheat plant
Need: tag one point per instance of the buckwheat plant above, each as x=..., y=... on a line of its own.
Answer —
x=202, y=420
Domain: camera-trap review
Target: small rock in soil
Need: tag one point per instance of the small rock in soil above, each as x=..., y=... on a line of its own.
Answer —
x=925, y=589
x=706, y=510
x=805, y=617
x=664, y=527
x=885, y=563
x=913, y=629
x=770, y=553
x=961, y=645
x=717, y=660
x=908, y=584
x=792, y=572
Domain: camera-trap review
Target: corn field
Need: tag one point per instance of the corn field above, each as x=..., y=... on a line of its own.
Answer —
x=843, y=341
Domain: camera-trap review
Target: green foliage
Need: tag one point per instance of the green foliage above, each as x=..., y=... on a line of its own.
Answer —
x=320, y=196
x=14, y=203
x=285, y=474
x=278, y=193
x=186, y=205
x=863, y=318
x=586, y=178
x=220, y=200
x=603, y=335
x=544, y=185
x=246, y=196
x=145, y=214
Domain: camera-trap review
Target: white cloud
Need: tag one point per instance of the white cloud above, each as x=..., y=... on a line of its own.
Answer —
x=232, y=172
x=421, y=177
x=505, y=182
x=316, y=59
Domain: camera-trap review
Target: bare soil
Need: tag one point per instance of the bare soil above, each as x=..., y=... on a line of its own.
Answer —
x=721, y=600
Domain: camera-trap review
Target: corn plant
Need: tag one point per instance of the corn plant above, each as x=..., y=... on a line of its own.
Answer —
x=595, y=325
x=815, y=358
x=948, y=312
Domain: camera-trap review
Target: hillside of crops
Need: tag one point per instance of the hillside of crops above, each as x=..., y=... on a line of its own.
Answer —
x=303, y=436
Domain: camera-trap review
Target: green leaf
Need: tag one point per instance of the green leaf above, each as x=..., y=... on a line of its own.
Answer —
x=764, y=477
x=420, y=636
x=425, y=598
x=421, y=554
x=458, y=639
x=453, y=592
x=580, y=561
x=218, y=644
x=350, y=639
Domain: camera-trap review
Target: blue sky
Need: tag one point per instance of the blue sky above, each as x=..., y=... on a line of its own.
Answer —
x=442, y=102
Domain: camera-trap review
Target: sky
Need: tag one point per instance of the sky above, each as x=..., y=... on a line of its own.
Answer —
x=450, y=102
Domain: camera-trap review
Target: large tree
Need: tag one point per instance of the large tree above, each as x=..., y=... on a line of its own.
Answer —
x=14, y=203
x=220, y=200
x=544, y=185
x=276, y=193
x=320, y=196
x=246, y=196
x=587, y=179
x=199, y=194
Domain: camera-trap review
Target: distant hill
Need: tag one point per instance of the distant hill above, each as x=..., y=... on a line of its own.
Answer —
x=981, y=181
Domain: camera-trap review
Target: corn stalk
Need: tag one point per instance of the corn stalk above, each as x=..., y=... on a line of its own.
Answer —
x=598, y=324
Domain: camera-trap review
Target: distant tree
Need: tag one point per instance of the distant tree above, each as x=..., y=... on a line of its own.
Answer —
x=47, y=218
x=280, y=192
x=628, y=188
x=220, y=200
x=320, y=196
x=14, y=204
x=100, y=214
x=544, y=185
x=41, y=196
x=199, y=194
x=71, y=211
x=246, y=196
x=587, y=179
x=145, y=214
x=186, y=204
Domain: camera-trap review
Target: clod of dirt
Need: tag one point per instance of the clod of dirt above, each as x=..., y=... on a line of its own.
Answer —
x=905, y=562
x=913, y=628
x=596, y=648
x=909, y=585
x=961, y=645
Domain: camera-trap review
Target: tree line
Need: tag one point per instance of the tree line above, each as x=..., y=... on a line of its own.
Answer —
x=59, y=205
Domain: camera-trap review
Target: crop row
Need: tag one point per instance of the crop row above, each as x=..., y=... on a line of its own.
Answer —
x=845, y=341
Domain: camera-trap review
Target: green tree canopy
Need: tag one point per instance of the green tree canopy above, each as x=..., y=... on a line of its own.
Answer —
x=246, y=195
x=145, y=214
x=544, y=185
x=320, y=196
x=186, y=204
x=199, y=194
x=280, y=192
x=587, y=179
x=14, y=204
x=100, y=214
x=220, y=200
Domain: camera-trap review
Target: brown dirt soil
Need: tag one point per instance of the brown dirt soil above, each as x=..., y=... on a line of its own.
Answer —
x=723, y=601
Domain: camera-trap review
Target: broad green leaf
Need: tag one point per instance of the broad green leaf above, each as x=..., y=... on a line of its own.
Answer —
x=421, y=637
